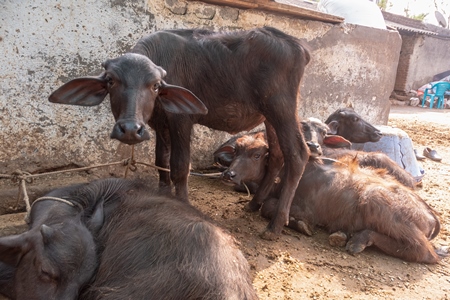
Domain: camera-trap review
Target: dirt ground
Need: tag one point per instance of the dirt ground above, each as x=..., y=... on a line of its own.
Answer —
x=301, y=267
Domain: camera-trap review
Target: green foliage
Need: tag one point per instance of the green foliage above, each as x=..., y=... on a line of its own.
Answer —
x=419, y=17
x=383, y=4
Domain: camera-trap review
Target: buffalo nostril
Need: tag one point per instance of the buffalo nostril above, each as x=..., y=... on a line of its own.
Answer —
x=141, y=131
x=130, y=132
x=312, y=145
x=132, y=128
x=122, y=128
x=228, y=175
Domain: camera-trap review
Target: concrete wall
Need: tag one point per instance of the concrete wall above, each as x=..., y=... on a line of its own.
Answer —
x=408, y=44
x=431, y=56
x=351, y=65
x=422, y=55
x=44, y=44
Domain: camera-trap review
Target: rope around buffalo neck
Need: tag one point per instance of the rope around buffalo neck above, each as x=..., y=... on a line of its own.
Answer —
x=27, y=217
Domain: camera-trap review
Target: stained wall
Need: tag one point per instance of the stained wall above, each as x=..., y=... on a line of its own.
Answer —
x=44, y=44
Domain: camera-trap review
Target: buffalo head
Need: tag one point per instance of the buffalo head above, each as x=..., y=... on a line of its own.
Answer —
x=49, y=262
x=350, y=125
x=134, y=84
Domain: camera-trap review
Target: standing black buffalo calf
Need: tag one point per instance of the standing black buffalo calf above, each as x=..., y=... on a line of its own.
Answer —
x=244, y=78
x=146, y=247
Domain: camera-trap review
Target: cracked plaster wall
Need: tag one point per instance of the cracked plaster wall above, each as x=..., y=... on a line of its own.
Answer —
x=45, y=43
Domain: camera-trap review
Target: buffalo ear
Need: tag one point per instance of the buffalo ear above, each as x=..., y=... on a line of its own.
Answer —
x=224, y=155
x=12, y=248
x=334, y=127
x=261, y=135
x=47, y=233
x=84, y=91
x=178, y=100
x=95, y=223
x=336, y=141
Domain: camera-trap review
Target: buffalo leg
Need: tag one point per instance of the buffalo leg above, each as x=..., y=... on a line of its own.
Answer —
x=295, y=154
x=162, y=157
x=275, y=165
x=299, y=224
x=180, y=133
x=413, y=249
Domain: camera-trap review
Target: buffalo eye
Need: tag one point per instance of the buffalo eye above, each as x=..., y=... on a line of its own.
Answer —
x=257, y=156
x=156, y=87
x=109, y=81
x=355, y=119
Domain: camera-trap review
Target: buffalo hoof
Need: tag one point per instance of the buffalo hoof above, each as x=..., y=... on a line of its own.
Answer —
x=337, y=239
x=269, y=235
x=358, y=242
x=355, y=248
x=252, y=206
x=300, y=226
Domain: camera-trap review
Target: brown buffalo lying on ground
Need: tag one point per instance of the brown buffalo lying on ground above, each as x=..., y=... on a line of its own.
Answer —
x=320, y=142
x=157, y=247
x=362, y=206
x=344, y=122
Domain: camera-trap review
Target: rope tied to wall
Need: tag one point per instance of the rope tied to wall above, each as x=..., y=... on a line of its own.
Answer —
x=130, y=164
x=23, y=178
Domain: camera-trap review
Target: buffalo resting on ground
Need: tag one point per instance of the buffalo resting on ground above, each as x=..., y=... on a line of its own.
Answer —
x=360, y=206
x=243, y=78
x=147, y=246
x=332, y=140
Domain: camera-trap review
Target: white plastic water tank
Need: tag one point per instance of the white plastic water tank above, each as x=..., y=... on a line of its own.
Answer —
x=398, y=146
x=361, y=12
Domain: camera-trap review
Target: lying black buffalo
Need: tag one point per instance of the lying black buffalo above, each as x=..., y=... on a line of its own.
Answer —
x=346, y=122
x=146, y=246
x=57, y=255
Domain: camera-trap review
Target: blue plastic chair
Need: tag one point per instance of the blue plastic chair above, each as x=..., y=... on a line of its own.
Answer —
x=437, y=90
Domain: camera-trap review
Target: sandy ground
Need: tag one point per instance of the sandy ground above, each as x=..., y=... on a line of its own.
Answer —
x=301, y=267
